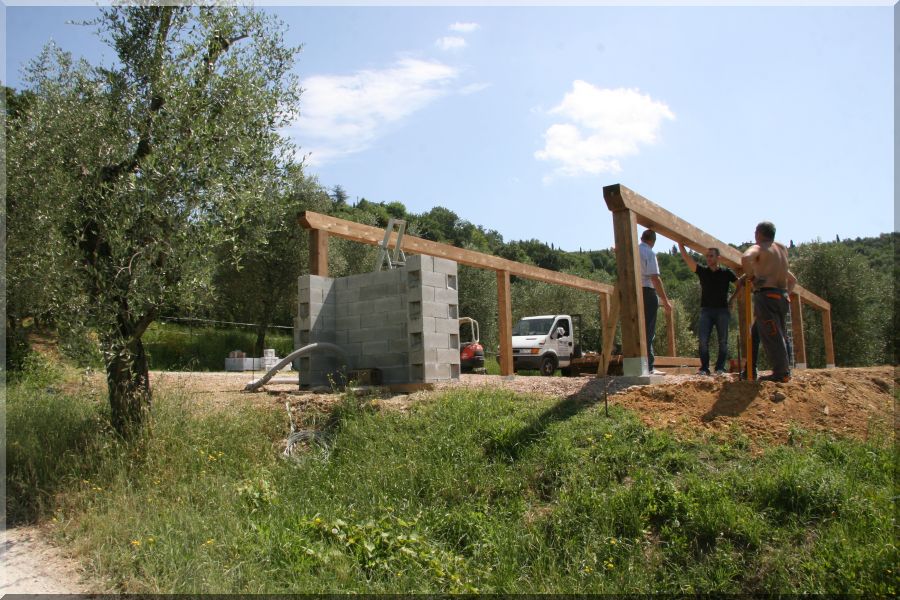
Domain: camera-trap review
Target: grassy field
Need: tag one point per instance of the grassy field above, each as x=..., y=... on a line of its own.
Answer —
x=473, y=491
x=173, y=347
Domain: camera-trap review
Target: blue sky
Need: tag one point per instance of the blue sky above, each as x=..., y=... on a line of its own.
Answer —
x=515, y=117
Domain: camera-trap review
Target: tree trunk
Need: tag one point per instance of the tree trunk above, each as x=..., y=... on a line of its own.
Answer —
x=128, y=378
x=261, y=337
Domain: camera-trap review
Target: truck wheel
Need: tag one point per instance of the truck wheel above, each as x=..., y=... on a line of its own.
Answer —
x=548, y=366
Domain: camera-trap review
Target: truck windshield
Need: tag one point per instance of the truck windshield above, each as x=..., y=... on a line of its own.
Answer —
x=532, y=327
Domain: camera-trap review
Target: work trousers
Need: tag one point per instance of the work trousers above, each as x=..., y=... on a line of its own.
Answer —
x=651, y=307
x=718, y=318
x=770, y=308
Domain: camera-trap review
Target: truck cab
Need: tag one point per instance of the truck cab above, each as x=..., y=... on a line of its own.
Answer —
x=545, y=343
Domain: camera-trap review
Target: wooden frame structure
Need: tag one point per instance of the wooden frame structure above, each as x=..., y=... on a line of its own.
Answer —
x=322, y=226
x=629, y=210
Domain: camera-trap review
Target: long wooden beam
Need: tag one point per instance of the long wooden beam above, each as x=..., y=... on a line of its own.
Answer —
x=653, y=216
x=374, y=236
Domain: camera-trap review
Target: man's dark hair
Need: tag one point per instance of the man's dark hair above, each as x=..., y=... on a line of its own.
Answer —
x=767, y=230
x=648, y=236
x=716, y=250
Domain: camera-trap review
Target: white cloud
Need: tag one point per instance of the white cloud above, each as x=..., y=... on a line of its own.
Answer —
x=473, y=88
x=345, y=114
x=450, y=43
x=464, y=27
x=604, y=126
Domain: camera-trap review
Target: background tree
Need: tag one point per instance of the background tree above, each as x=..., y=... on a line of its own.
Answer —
x=857, y=293
x=137, y=172
x=261, y=285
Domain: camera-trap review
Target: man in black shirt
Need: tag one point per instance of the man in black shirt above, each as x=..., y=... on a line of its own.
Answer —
x=714, y=282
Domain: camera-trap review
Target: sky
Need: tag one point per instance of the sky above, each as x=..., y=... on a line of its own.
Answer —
x=516, y=117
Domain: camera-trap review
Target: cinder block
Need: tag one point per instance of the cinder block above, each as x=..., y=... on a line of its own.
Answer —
x=348, y=322
x=449, y=356
x=395, y=374
x=421, y=325
x=420, y=262
x=446, y=296
x=401, y=346
x=435, y=280
x=374, y=349
x=446, y=326
x=387, y=360
x=435, y=340
x=413, y=279
x=434, y=309
x=423, y=355
x=443, y=265
x=416, y=340
x=397, y=317
x=437, y=372
x=386, y=304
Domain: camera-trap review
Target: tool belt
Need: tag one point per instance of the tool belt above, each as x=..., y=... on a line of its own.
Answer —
x=773, y=292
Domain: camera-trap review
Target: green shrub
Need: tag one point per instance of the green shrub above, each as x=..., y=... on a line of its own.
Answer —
x=178, y=347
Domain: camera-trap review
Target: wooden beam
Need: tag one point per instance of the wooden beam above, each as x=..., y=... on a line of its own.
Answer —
x=318, y=252
x=609, y=334
x=631, y=296
x=799, y=344
x=374, y=236
x=829, y=342
x=650, y=215
x=504, y=307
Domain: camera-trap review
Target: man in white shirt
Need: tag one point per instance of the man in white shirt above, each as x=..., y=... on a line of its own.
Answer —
x=652, y=285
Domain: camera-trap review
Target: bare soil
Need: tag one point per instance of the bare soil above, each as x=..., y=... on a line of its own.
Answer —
x=855, y=402
x=29, y=564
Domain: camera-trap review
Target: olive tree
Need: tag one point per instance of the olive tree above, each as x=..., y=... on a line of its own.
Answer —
x=138, y=171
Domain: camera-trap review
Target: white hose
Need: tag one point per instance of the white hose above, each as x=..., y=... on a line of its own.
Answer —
x=258, y=383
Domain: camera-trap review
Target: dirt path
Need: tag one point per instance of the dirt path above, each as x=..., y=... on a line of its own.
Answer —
x=29, y=564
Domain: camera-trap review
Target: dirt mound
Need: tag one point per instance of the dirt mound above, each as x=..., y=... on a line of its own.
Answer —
x=852, y=402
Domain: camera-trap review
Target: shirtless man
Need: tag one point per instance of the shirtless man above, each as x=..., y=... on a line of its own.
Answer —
x=766, y=267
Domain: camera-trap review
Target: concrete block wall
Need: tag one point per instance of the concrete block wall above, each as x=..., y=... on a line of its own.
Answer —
x=404, y=322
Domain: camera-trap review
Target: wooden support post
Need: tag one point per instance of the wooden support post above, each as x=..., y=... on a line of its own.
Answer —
x=504, y=308
x=829, y=342
x=631, y=297
x=604, y=317
x=748, y=338
x=670, y=332
x=797, y=332
x=609, y=333
x=318, y=252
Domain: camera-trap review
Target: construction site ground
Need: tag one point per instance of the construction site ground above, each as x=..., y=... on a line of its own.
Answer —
x=856, y=402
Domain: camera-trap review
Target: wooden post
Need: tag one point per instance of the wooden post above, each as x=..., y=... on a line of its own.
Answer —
x=631, y=297
x=797, y=332
x=670, y=332
x=318, y=252
x=829, y=342
x=504, y=308
x=604, y=317
x=748, y=338
x=609, y=333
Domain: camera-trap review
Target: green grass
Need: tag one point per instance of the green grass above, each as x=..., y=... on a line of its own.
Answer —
x=483, y=491
x=179, y=347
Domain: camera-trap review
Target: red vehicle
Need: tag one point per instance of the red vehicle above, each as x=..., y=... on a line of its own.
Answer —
x=471, y=352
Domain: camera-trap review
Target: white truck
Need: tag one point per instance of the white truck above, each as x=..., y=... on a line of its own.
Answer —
x=545, y=343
